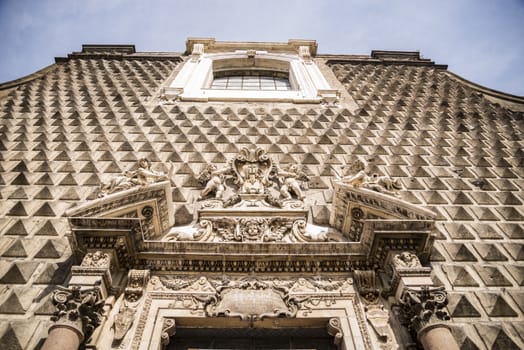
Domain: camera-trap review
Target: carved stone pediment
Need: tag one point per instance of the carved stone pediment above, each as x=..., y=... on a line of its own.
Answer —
x=149, y=204
x=380, y=221
x=121, y=220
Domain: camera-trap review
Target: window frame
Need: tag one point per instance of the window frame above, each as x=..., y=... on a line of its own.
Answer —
x=193, y=81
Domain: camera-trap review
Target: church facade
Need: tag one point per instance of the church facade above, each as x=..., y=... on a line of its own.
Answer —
x=257, y=195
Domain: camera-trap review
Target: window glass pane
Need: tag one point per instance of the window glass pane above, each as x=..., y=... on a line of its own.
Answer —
x=251, y=82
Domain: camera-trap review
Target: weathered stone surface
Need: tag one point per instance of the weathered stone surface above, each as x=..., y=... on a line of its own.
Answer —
x=495, y=305
x=459, y=276
x=517, y=271
x=495, y=337
x=492, y=276
x=460, y=252
x=460, y=306
x=19, y=273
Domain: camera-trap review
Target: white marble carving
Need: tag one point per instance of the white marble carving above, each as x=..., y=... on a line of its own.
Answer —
x=358, y=176
x=142, y=176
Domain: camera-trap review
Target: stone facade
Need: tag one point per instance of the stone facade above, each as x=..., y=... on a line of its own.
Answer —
x=383, y=211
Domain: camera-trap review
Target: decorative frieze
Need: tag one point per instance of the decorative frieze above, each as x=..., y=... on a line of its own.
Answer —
x=213, y=285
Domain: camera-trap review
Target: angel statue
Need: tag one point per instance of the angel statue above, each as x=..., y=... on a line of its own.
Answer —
x=213, y=179
x=142, y=176
x=147, y=176
x=293, y=181
x=358, y=177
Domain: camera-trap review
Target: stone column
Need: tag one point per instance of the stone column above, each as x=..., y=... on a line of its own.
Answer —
x=79, y=307
x=422, y=305
x=437, y=336
x=78, y=313
x=424, y=315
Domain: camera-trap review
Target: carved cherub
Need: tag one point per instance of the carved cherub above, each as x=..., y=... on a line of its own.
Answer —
x=213, y=179
x=293, y=181
x=406, y=260
x=96, y=259
x=358, y=177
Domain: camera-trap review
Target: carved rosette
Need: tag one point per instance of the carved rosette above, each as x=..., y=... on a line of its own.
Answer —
x=423, y=307
x=78, y=309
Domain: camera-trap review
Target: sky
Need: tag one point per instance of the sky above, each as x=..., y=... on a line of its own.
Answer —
x=480, y=40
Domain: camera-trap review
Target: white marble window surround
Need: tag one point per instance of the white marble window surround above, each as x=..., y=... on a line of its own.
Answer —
x=193, y=81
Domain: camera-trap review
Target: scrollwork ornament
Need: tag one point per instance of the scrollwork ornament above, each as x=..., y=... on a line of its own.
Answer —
x=136, y=283
x=334, y=328
x=357, y=213
x=299, y=230
x=168, y=330
x=148, y=212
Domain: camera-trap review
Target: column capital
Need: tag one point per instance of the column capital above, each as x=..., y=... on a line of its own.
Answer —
x=423, y=307
x=77, y=309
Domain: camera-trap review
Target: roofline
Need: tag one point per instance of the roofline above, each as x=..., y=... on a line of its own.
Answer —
x=488, y=91
x=386, y=57
x=413, y=58
x=91, y=51
x=27, y=78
